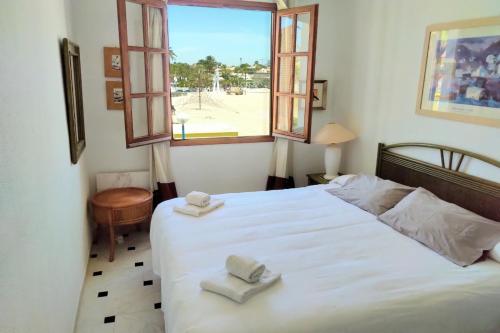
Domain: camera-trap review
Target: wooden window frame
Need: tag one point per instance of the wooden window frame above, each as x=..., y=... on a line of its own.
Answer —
x=275, y=55
x=311, y=56
x=125, y=48
x=234, y=4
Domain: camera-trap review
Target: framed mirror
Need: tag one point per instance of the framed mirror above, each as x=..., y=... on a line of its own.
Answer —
x=74, y=98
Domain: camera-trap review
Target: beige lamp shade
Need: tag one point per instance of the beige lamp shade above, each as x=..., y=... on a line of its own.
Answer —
x=333, y=133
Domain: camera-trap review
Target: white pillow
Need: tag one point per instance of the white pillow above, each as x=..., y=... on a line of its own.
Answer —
x=341, y=180
x=495, y=253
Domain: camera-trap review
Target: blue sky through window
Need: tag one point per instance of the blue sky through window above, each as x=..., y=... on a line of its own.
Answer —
x=226, y=34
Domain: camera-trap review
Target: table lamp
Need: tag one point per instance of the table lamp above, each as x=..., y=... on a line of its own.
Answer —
x=331, y=135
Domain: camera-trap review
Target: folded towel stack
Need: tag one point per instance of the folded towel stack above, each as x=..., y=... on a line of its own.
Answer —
x=198, y=211
x=245, y=268
x=199, y=199
x=246, y=278
x=236, y=289
x=197, y=204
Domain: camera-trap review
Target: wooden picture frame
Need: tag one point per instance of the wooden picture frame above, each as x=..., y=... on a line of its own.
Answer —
x=112, y=62
x=74, y=98
x=320, y=89
x=114, y=95
x=460, y=72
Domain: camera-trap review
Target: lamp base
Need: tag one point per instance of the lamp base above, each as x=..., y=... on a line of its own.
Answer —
x=333, y=153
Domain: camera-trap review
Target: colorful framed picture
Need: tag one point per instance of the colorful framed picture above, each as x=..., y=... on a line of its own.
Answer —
x=114, y=95
x=460, y=72
x=112, y=62
x=320, y=88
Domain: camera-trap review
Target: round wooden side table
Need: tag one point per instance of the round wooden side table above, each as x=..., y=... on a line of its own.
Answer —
x=121, y=206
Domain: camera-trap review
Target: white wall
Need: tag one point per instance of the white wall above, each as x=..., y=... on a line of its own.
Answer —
x=375, y=49
x=218, y=168
x=44, y=239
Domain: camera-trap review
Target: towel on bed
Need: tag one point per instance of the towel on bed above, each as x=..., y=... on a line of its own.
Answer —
x=235, y=288
x=199, y=199
x=245, y=268
x=198, y=211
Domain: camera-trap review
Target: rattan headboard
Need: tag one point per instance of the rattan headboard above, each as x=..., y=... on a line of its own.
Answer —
x=446, y=181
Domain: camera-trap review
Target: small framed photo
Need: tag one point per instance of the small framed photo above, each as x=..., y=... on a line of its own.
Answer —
x=114, y=95
x=460, y=72
x=112, y=62
x=319, y=94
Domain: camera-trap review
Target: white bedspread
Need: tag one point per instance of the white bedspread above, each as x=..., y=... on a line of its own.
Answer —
x=342, y=271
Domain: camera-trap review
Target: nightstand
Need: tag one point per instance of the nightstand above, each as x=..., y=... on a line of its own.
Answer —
x=316, y=179
x=121, y=206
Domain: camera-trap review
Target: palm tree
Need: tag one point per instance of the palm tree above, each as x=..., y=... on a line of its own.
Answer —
x=172, y=54
x=209, y=63
x=244, y=69
x=201, y=79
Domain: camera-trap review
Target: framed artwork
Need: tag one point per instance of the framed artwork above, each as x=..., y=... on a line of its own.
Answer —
x=112, y=62
x=460, y=72
x=320, y=88
x=74, y=98
x=114, y=95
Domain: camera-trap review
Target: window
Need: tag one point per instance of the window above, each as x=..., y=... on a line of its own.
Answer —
x=234, y=71
x=294, y=70
x=221, y=71
x=145, y=70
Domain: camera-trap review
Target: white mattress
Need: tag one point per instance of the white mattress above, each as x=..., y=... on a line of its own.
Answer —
x=343, y=271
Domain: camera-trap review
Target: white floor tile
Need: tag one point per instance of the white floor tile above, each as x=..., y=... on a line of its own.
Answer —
x=148, y=274
x=100, y=328
x=134, y=300
x=128, y=299
x=143, y=322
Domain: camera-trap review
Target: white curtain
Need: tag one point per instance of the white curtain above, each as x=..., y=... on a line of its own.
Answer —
x=281, y=165
x=160, y=167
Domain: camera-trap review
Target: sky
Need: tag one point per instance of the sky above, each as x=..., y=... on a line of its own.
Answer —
x=226, y=34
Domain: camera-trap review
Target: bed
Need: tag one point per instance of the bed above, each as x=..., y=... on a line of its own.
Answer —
x=343, y=271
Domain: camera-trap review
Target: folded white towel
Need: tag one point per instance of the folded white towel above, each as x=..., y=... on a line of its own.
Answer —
x=245, y=268
x=495, y=253
x=236, y=289
x=199, y=199
x=198, y=211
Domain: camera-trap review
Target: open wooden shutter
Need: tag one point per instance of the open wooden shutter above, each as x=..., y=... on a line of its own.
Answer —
x=294, y=58
x=145, y=71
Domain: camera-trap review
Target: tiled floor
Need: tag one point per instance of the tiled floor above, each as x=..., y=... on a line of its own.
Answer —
x=123, y=295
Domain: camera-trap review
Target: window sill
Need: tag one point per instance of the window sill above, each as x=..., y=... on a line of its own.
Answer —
x=220, y=141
